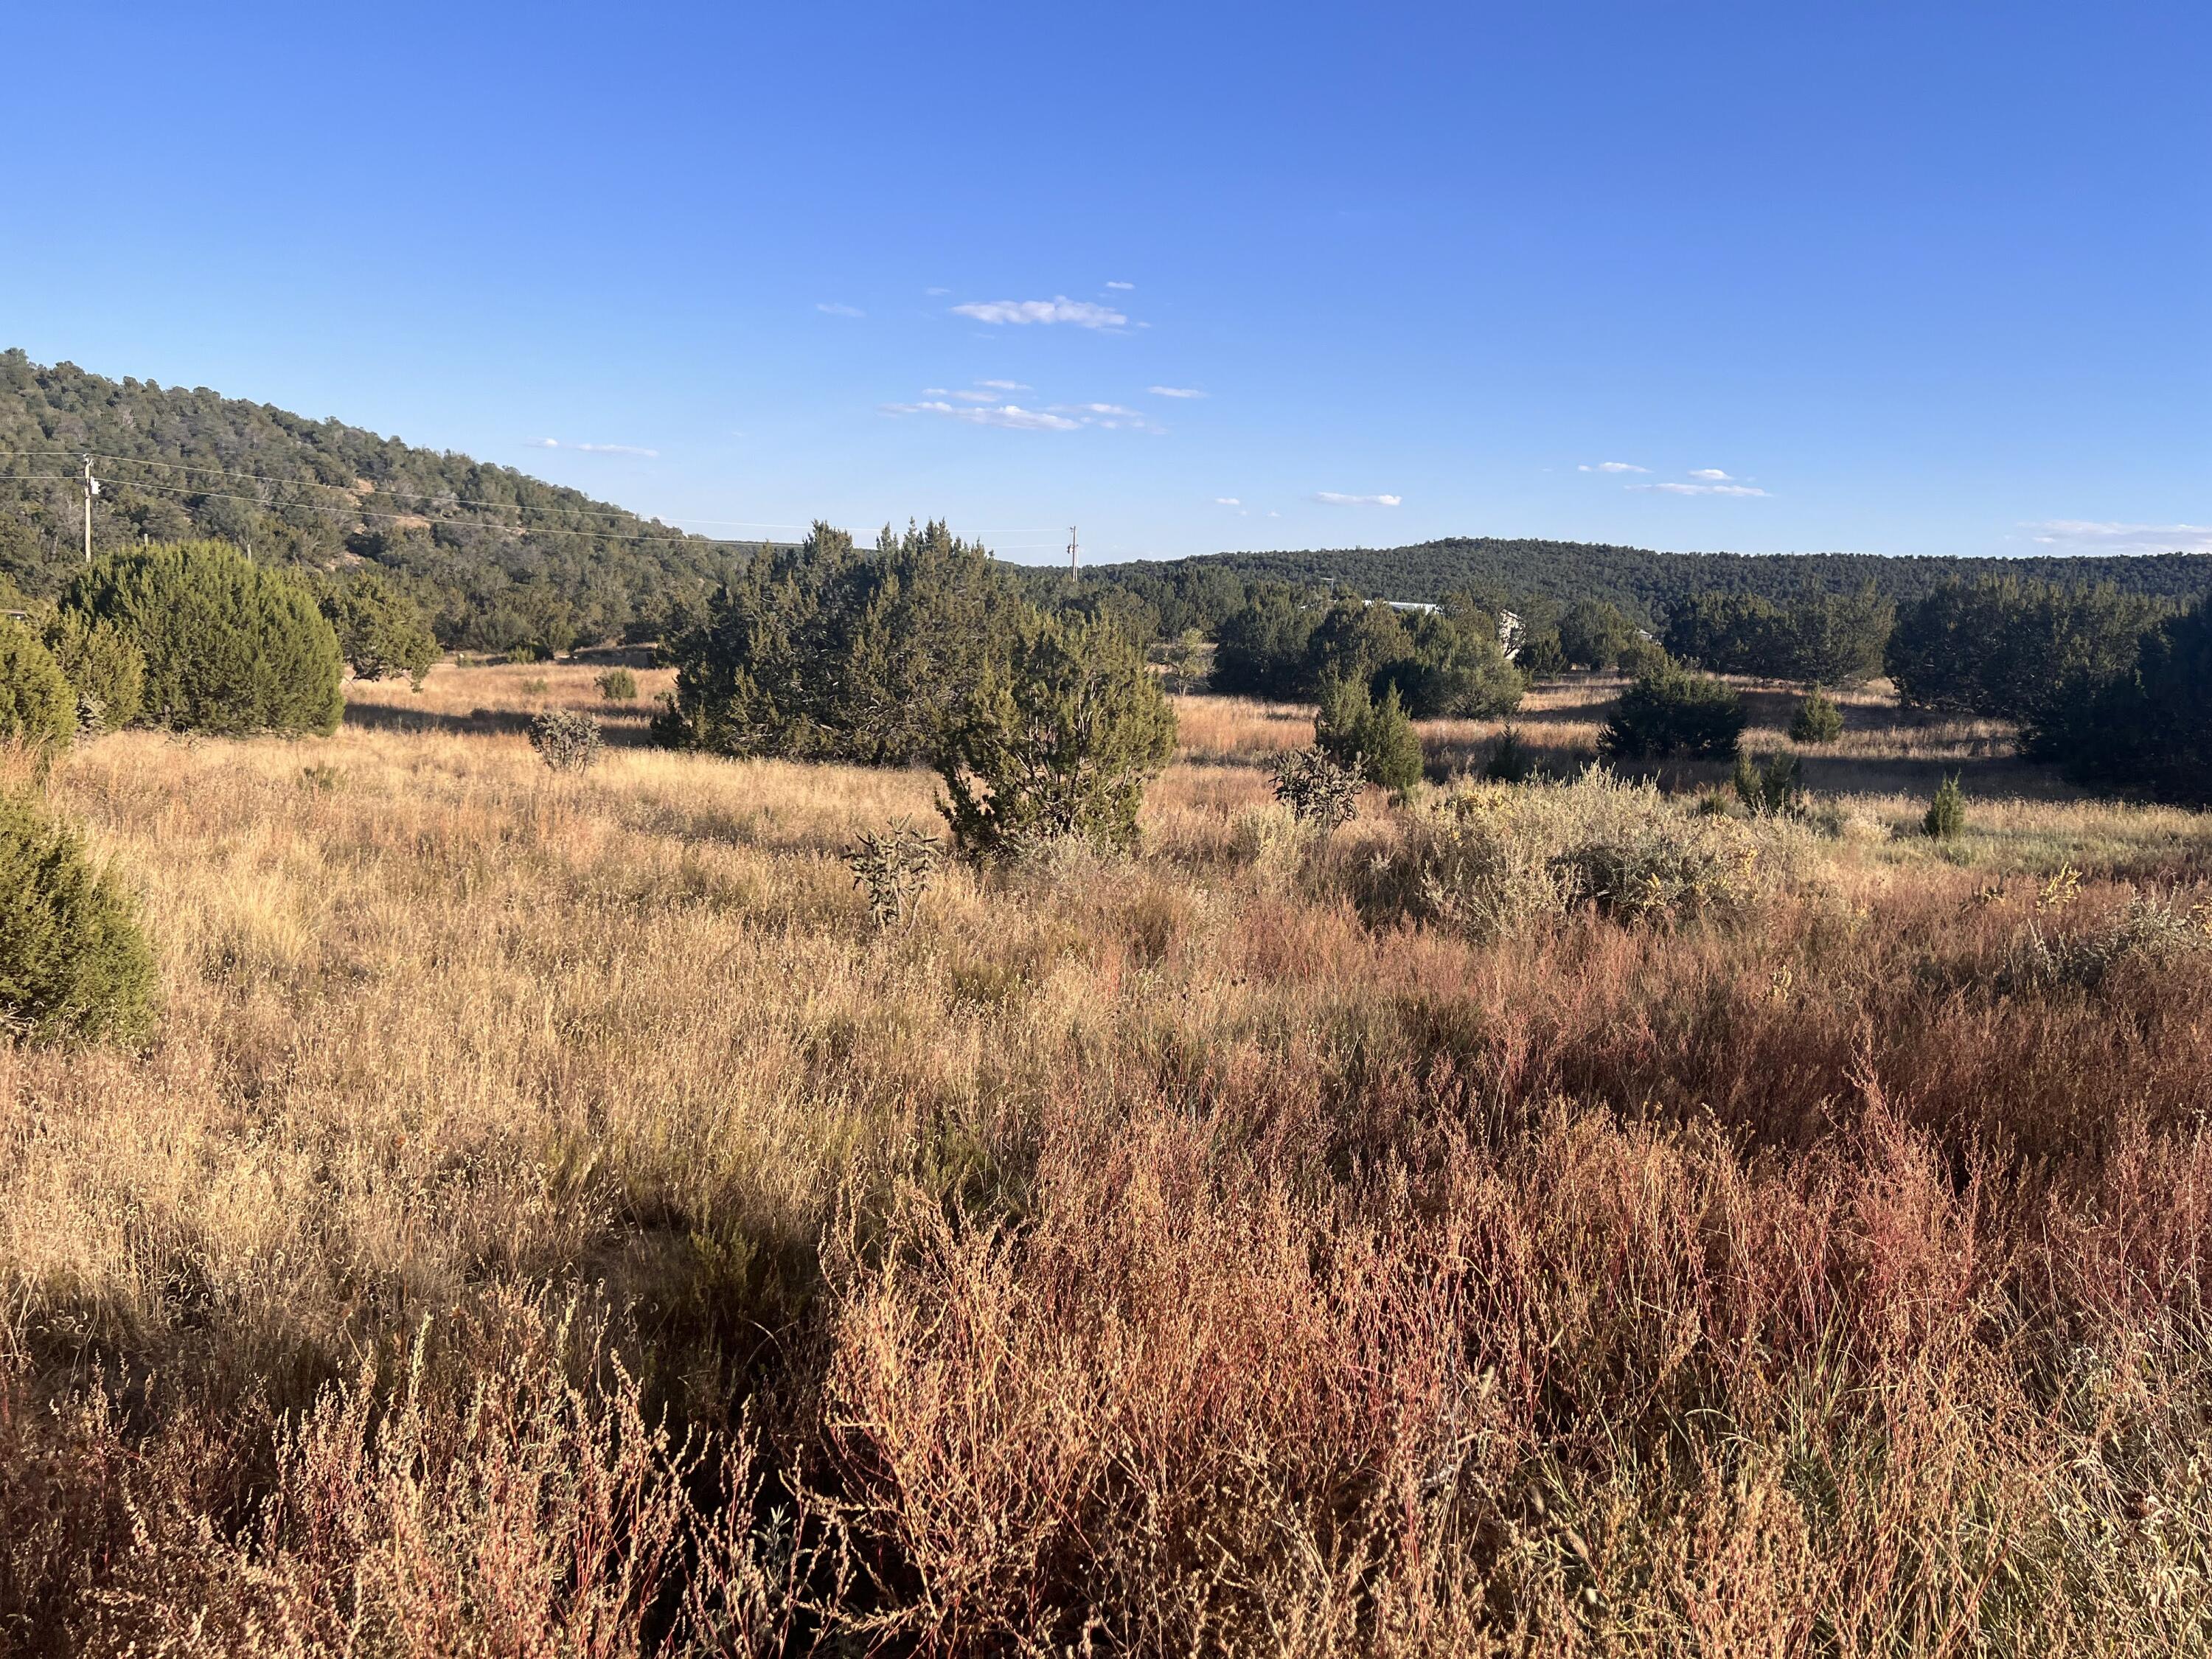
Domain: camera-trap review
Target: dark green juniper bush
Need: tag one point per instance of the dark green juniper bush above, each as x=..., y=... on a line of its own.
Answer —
x=619, y=685
x=1675, y=712
x=108, y=670
x=1058, y=743
x=381, y=632
x=37, y=705
x=1946, y=819
x=1370, y=736
x=230, y=646
x=1512, y=761
x=73, y=963
x=1818, y=719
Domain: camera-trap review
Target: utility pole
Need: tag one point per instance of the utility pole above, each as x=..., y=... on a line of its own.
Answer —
x=91, y=488
x=1072, y=576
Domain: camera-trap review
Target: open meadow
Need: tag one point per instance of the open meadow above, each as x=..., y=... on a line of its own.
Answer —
x=553, y=1218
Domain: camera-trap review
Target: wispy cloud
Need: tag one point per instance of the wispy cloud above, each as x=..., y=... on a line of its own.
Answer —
x=1125, y=287
x=1334, y=498
x=595, y=449
x=1709, y=474
x=1012, y=415
x=1059, y=309
x=838, y=308
x=1004, y=386
x=2092, y=536
x=936, y=293
x=1612, y=466
x=1174, y=392
x=1701, y=489
x=1227, y=501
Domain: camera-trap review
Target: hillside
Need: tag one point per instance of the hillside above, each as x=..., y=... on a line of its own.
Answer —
x=1642, y=581
x=498, y=558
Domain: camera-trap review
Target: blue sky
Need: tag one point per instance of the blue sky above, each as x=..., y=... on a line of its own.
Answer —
x=1899, y=278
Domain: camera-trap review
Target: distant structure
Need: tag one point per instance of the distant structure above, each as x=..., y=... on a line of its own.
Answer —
x=1509, y=626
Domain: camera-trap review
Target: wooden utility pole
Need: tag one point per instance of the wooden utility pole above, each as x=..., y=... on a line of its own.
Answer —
x=91, y=488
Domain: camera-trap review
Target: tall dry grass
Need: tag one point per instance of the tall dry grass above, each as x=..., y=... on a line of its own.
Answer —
x=555, y=1219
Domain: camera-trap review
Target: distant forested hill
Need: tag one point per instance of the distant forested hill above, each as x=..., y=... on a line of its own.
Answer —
x=498, y=558
x=1641, y=582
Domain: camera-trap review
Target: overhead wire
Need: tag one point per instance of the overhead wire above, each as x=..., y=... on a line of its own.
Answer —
x=458, y=501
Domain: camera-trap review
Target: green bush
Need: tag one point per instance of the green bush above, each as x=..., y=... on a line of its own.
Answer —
x=1818, y=719
x=1675, y=712
x=1375, y=739
x=619, y=685
x=38, y=706
x=73, y=963
x=1777, y=786
x=230, y=646
x=821, y=651
x=1059, y=743
x=1946, y=819
x=1512, y=761
x=107, y=671
x=381, y=632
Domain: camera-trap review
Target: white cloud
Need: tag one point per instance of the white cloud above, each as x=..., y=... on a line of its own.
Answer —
x=1102, y=409
x=1174, y=392
x=1004, y=386
x=1059, y=309
x=1012, y=415
x=595, y=449
x=1333, y=498
x=1123, y=286
x=1227, y=501
x=1701, y=489
x=835, y=308
x=1612, y=466
x=2090, y=536
x=936, y=293
x=1709, y=474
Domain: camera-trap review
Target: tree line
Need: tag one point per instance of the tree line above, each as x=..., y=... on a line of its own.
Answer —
x=496, y=560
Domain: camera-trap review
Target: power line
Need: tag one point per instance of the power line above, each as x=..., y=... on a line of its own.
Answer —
x=458, y=501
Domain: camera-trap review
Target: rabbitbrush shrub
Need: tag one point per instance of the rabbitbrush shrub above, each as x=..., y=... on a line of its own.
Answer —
x=73, y=963
x=230, y=646
x=1496, y=860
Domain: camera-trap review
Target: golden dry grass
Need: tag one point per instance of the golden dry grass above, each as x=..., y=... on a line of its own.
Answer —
x=1170, y=1256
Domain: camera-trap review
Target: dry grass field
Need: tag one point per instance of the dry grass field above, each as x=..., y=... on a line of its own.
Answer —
x=553, y=1219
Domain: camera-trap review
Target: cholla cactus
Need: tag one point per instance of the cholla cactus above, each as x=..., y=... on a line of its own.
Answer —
x=565, y=740
x=1316, y=789
x=893, y=869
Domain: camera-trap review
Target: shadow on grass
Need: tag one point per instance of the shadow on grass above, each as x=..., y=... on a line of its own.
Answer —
x=620, y=728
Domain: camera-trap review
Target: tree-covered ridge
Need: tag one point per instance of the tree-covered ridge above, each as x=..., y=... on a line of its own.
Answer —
x=498, y=559
x=1648, y=584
